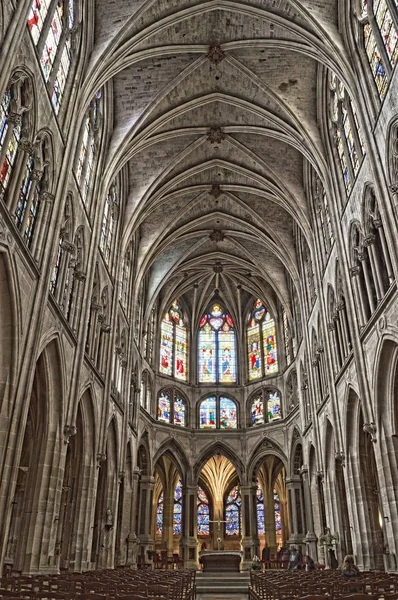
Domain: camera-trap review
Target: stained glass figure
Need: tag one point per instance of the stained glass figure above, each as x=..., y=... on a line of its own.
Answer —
x=216, y=347
x=174, y=344
x=207, y=413
x=233, y=512
x=177, y=509
x=261, y=412
x=261, y=343
x=203, y=513
x=164, y=405
x=179, y=412
x=51, y=44
x=228, y=417
x=274, y=406
x=159, y=515
x=257, y=410
x=260, y=510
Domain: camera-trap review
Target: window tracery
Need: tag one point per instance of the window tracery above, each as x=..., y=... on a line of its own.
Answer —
x=218, y=412
x=261, y=342
x=265, y=406
x=174, y=343
x=172, y=408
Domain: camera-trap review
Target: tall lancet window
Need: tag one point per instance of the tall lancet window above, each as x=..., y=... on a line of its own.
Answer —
x=216, y=347
x=51, y=25
x=174, y=343
x=177, y=509
x=233, y=512
x=261, y=343
x=379, y=21
x=203, y=512
x=347, y=134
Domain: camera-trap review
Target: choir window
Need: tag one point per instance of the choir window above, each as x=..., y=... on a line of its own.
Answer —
x=261, y=343
x=171, y=408
x=203, y=512
x=265, y=407
x=216, y=347
x=173, y=343
x=233, y=512
x=217, y=412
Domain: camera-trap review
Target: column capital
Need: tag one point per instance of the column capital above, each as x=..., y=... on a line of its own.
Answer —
x=354, y=271
x=369, y=240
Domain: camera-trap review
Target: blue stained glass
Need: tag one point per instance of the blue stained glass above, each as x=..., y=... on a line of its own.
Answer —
x=233, y=512
x=203, y=513
x=228, y=418
x=277, y=509
x=179, y=412
x=159, y=515
x=207, y=413
x=260, y=511
x=164, y=407
x=177, y=509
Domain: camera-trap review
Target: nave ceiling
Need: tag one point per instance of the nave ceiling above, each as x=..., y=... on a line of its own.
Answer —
x=216, y=116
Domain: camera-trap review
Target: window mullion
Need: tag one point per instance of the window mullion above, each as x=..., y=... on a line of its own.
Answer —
x=173, y=353
x=379, y=43
x=46, y=27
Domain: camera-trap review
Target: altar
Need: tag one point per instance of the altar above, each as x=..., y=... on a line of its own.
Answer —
x=220, y=560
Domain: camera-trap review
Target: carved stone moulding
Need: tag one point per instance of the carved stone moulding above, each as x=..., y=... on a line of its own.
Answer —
x=215, y=54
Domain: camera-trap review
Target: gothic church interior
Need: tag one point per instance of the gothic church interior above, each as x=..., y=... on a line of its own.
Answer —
x=198, y=264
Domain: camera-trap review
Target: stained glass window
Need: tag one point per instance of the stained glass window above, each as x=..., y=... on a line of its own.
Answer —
x=228, y=418
x=265, y=411
x=257, y=410
x=171, y=408
x=233, y=512
x=207, y=413
x=164, y=404
x=380, y=40
x=125, y=281
x=85, y=160
x=260, y=510
x=216, y=347
x=24, y=192
x=218, y=412
x=10, y=137
x=159, y=515
x=36, y=16
x=261, y=343
x=174, y=344
x=51, y=44
x=177, y=509
x=278, y=520
x=347, y=134
x=203, y=513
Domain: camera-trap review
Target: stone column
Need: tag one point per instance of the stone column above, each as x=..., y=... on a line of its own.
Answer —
x=366, y=274
x=375, y=266
x=168, y=508
x=250, y=541
x=189, y=540
x=145, y=517
x=310, y=537
x=132, y=539
x=378, y=224
x=296, y=510
x=269, y=518
x=46, y=201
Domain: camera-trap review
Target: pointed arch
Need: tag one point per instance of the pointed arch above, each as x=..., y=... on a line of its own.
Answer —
x=218, y=448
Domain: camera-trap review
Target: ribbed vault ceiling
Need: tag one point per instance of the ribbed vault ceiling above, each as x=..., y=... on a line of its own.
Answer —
x=215, y=147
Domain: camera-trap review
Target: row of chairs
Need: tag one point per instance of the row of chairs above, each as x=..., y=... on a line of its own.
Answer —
x=321, y=585
x=120, y=584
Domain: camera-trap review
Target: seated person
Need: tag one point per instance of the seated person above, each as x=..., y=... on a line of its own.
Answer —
x=308, y=563
x=294, y=559
x=349, y=568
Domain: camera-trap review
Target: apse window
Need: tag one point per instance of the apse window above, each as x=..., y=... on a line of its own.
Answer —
x=265, y=407
x=173, y=344
x=171, y=408
x=217, y=412
x=216, y=347
x=261, y=343
x=233, y=512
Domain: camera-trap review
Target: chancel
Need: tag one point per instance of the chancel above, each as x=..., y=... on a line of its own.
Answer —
x=198, y=298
